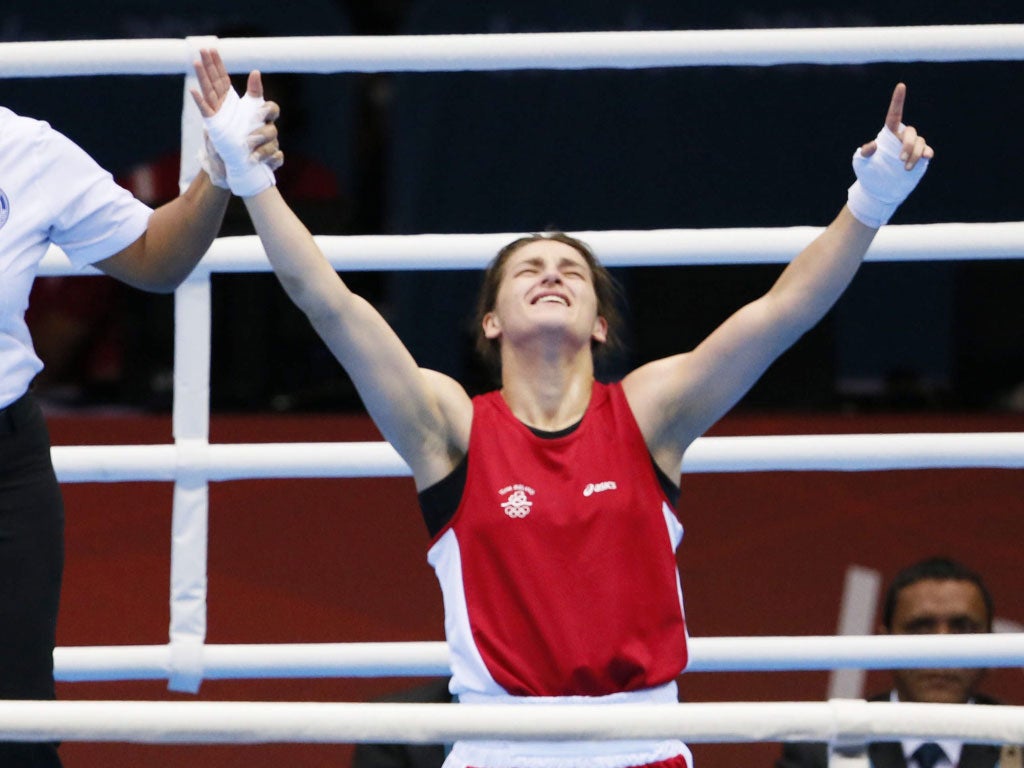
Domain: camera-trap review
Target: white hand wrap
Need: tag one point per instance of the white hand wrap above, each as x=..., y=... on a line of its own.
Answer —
x=883, y=182
x=210, y=162
x=229, y=131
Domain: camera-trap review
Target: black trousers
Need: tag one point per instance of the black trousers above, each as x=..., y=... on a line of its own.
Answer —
x=31, y=565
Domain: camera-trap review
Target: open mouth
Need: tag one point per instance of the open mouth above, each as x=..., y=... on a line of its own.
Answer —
x=551, y=298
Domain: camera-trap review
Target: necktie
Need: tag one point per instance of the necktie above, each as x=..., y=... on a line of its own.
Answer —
x=928, y=754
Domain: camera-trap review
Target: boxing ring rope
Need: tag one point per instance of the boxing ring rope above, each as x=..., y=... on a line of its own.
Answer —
x=648, y=248
x=829, y=453
x=580, y=50
x=201, y=722
x=430, y=659
x=191, y=462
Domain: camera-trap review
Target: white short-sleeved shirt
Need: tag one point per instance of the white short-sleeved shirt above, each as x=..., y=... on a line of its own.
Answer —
x=51, y=191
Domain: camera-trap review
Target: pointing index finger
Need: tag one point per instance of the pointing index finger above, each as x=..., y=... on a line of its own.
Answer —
x=895, y=115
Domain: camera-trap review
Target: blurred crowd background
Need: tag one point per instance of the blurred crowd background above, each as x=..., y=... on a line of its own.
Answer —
x=526, y=151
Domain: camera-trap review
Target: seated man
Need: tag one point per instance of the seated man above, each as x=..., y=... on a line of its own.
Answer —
x=935, y=596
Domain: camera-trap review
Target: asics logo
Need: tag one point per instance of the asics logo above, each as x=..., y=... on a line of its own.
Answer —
x=592, y=488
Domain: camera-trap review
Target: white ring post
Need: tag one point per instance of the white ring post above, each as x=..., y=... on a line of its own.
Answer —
x=190, y=522
x=191, y=416
x=861, y=589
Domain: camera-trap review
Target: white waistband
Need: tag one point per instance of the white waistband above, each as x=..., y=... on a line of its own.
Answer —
x=569, y=754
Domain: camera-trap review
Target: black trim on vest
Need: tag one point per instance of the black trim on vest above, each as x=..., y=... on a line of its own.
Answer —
x=554, y=434
x=439, y=501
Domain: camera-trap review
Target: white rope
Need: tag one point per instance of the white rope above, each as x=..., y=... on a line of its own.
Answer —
x=567, y=50
x=660, y=247
x=856, y=452
x=260, y=722
x=853, y=453
x=733, y=654
x=707, y=654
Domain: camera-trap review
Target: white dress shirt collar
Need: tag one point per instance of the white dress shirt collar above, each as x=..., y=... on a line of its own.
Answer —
x=950, y=747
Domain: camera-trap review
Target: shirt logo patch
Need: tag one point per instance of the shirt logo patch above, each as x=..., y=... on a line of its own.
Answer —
x=5, y=208
x=517, y=504
x=592, y=488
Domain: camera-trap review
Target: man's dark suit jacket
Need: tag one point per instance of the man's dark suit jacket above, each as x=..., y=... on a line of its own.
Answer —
x=885, y=754
x=407, y=755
